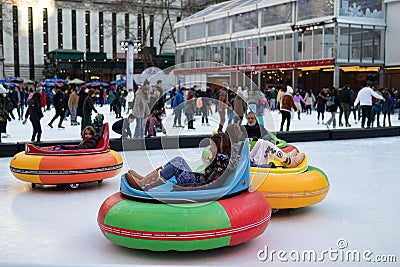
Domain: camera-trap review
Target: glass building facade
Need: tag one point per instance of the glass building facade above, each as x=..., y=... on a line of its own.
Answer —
x=334, y=38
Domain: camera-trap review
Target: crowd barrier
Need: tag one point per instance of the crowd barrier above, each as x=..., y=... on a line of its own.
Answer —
x=189, y=141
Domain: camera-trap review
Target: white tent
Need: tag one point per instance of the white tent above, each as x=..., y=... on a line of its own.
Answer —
x=76, y=81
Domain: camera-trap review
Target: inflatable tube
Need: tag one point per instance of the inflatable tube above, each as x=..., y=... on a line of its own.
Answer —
x=183, y=227
x=47, y=166
x=236, y=182
x=292, y=187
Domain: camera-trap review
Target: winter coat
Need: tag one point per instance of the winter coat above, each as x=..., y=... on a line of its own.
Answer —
x=59, y=101
x=345, y=96
x=152, y=122
x=287, y=102
x=82, y=96
x=320, y=103
x=239, y=106
x=73, y=100
x=86, y=144
x=34, y=111
x=140, y=107
x=333, y=102
x=223, y=102
x=88, y=105
x=178, y=99
x=190, y=106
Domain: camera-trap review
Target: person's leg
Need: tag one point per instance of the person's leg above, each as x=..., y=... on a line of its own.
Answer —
x=373, y=113
x=61, y=114
x=368, y=114
x=221, y=119
x=341, y=111
x=288, y=121
x=346, y=113
x=363, y=115
x=333, y=114
x=179, y=116
x=53, y=119
x=330, y=120
x=283, y=118
x=384, y=119
x=378, y=114
x=290, y=160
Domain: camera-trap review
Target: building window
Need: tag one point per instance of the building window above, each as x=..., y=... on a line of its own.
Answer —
x=16, y=42
x=60, y=28
x=218, y=27
x=310, y=9
x=263, y=50
x=362, y=8
x=181, y=34
x=275, y=15
x=31, y=45
x=271, y=47
x=87, y=30
x=245, y=21
x=101, y=31
x=73, y=19
x=114, y=34
x=127, y=26
x=195, y=31
x=45, y=33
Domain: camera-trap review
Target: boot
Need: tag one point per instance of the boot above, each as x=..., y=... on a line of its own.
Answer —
x=38, y=137
x=139, y=182
x=294, y=161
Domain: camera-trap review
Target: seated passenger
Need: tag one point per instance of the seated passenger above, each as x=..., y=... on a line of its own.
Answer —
x=185, y=177
x=253, y=129
x=264, y=150
x=89, y=140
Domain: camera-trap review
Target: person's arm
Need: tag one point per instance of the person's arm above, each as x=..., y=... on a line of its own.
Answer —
x=68, y=147
x=356, y=101
x=376, y=95
x=92, y=104
x=90, y=143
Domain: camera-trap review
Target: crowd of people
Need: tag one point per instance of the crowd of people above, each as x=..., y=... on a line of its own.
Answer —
x=146, y=105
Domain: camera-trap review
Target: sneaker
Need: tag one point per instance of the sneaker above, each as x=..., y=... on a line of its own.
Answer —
x=61, y=127
x=296, y=160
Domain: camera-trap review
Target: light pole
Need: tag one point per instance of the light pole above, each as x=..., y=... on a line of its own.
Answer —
x=131, y=47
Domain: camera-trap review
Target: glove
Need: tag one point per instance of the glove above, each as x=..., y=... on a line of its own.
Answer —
x=24, y=122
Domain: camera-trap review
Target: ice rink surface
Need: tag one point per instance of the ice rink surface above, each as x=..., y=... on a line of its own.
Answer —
x=50, y=226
